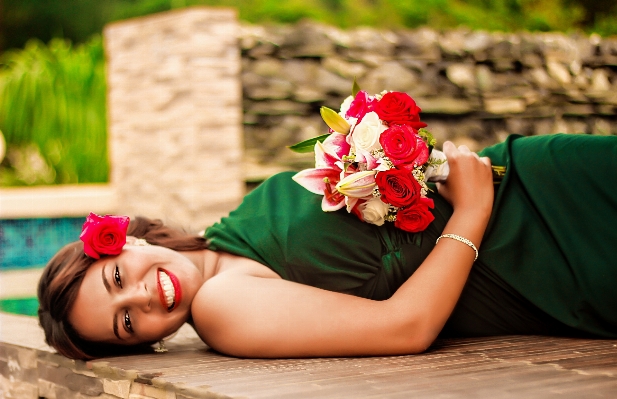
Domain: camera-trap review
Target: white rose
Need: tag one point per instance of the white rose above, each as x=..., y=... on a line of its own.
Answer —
x=374, y=211
x=438, y=172
x=345, y=106
x=366, y=133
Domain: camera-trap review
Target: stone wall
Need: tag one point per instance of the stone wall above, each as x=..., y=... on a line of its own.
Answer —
x=174, y=105
x=473, y=87
x=198, y=103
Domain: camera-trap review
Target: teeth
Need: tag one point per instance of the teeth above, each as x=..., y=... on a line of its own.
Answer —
x=168, y=288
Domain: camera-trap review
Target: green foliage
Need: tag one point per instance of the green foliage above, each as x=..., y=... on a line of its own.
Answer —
x=52, y=113
x=308, y=145
x=52, y=97
x=77, y=20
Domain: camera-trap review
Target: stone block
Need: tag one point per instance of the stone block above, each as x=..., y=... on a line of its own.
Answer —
x=139, y=391
x=47, y=389
x=505, y=105
x=11, y=388
x=119, y=388
x=603, y=126
x=66, y=378
x=420, y=44
x=65, y=393
x=446, y=105
x=559, y=72
x=462, y=75
x=174, y=106
x=12, y=370
x=348, y=70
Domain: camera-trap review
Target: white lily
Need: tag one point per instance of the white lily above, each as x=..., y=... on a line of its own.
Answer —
x=357, y=185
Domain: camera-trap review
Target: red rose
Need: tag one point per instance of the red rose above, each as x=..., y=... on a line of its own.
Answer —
x=104, y=235
x=356, y=209
x=398, y=187
x=360, y=106
x=396, y=108
x=403, y=146
x=416, y=217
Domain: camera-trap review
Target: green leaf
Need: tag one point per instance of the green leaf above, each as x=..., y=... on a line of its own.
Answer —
x=427, y=137
x=307, y=145
x=355, y=88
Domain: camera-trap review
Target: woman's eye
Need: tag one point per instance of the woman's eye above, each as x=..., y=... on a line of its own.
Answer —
x=127, y=322
x=117, y=278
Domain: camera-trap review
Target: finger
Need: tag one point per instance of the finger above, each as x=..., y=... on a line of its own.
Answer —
x=486, y=161
x=464, y=149
x=448, y=148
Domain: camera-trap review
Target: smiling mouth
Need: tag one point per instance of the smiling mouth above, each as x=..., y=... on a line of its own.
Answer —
x=169, y=289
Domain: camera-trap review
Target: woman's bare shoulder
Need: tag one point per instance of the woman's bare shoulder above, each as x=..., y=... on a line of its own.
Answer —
x=229, y=264
x=212, y=307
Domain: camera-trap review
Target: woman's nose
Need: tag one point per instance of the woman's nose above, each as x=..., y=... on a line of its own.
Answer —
x=140, y=297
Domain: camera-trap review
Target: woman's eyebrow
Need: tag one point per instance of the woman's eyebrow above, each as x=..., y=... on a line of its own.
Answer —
x=115, y=318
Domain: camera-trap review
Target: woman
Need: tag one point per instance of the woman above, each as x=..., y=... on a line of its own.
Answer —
x=280, y=278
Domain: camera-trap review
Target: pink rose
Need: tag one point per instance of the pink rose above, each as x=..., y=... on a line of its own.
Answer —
x=396, y=108
x=360, y=106
x=398, y=187
x=403, y=146
x=416, y=217
x=104, y=235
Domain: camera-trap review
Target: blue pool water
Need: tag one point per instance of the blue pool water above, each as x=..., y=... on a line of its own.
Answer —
x=30, y=243
x=26, y=243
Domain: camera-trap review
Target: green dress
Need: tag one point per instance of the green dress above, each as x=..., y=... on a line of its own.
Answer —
x=547, y=264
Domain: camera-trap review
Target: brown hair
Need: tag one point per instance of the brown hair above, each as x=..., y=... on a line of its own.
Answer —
x=64, y=274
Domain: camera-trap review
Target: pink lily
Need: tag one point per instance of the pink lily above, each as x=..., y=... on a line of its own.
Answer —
x=327, y=173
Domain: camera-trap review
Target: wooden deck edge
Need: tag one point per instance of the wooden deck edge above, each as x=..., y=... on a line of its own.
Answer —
x=504, y=367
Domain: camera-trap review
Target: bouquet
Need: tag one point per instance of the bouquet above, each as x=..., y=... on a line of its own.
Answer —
x=375, y=161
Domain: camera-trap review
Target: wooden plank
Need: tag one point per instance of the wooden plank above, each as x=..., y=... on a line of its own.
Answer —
x=493, y=367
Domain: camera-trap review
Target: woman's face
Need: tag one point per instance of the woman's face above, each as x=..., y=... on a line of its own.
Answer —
x=141, y=295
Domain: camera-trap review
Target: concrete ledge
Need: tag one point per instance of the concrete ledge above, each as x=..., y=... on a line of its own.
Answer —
x=494, y=367
x=21, y=283
x=56, y=201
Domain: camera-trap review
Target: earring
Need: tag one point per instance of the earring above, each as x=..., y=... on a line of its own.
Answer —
x=140, y=242
x=161, y=348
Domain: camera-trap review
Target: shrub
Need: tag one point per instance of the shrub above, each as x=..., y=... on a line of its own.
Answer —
x=53, y=114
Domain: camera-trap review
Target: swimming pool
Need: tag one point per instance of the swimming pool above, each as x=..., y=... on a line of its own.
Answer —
x=25, y=247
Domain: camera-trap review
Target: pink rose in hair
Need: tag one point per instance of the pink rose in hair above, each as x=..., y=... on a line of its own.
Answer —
x=104, y=235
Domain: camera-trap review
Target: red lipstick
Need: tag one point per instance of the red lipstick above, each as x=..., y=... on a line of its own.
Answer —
x=177, y=290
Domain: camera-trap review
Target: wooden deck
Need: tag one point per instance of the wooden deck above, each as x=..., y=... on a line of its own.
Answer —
x=497, y=367
x=487, y=368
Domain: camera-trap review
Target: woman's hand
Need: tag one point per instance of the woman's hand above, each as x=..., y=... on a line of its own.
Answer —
x=470, y=183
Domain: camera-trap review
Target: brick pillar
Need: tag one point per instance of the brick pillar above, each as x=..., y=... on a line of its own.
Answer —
x=175, y=115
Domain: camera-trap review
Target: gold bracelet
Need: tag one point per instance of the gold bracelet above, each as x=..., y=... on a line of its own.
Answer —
x=461, y=239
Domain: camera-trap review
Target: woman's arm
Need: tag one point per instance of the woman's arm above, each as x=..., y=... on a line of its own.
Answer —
x=250, y=316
